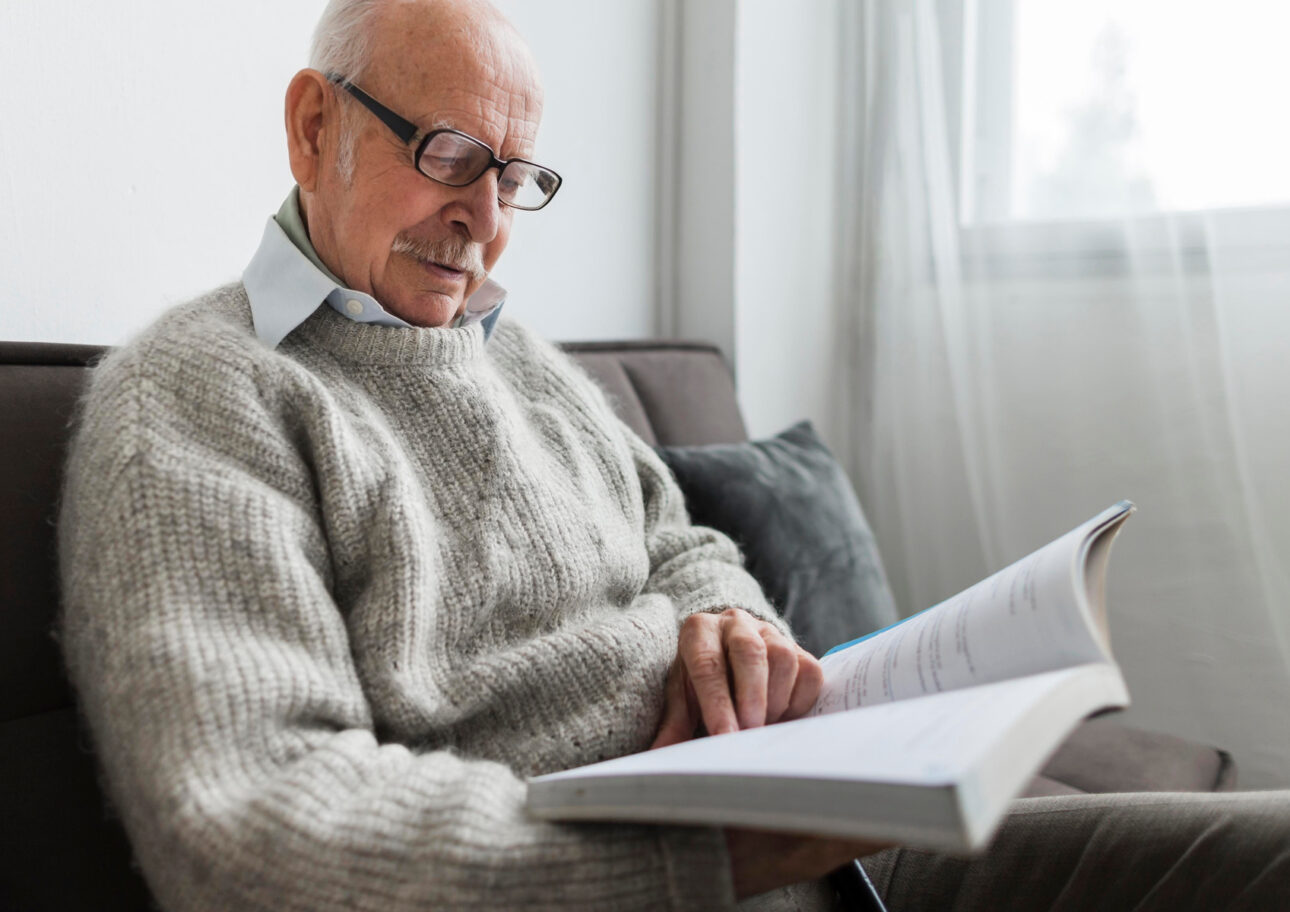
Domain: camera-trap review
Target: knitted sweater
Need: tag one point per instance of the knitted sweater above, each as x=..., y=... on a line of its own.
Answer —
x=325, y=606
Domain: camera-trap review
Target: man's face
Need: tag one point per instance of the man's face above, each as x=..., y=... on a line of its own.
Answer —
x=419, y=247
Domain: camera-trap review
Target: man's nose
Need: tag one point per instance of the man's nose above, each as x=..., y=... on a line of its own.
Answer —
x=477, y=208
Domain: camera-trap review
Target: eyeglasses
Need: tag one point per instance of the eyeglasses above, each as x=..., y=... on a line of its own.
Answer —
x=456, y=159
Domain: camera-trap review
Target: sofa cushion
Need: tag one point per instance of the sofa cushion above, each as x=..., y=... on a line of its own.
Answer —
x=793, y=512
x=63, y=849
x=670, y=393
x=36, y=402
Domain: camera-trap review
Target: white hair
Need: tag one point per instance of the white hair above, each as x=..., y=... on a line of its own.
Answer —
x=342, y=38
x=342, y=46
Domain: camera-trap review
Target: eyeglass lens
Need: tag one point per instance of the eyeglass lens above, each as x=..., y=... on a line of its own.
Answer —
x=456, y=160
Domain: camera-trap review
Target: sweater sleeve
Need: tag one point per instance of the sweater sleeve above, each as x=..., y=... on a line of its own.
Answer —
x=699, y=568
x=214, y=668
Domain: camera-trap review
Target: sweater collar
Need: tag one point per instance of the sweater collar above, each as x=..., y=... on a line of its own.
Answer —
x=286, y=281
x=388, y=346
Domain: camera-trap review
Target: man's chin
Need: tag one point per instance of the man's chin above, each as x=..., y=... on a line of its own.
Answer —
x=428, y=310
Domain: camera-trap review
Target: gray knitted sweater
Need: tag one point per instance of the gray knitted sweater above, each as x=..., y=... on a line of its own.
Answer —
x=327, y=605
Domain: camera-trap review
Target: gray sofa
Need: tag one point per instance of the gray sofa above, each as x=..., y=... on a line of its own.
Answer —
x=60, y=847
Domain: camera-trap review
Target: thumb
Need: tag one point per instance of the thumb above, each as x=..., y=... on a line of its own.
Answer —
x=680, y=710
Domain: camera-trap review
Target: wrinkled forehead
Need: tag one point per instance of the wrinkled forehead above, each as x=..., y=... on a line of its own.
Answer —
x=474, y=76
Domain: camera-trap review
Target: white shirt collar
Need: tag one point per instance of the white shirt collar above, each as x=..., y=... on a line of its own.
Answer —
x=285, y=287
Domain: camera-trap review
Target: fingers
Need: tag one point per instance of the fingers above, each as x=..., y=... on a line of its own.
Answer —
x=806, y=687
x=775, y=680
x=744, y=673
x=703, y=654
x=749, y=667
x=733, y=671
x=782, y=661
x=680, y=710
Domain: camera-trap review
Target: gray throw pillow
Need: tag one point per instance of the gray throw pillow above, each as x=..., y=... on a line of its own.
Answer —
x=793, y=512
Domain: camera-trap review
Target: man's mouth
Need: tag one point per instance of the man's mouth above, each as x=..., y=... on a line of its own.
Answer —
x=444, y=270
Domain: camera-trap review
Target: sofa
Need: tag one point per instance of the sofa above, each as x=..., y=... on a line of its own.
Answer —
x=61, y=847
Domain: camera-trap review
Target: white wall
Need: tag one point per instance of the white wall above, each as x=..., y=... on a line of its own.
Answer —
x=141, y=150
x=786, y=117
x=756, y=161
x=583, y=268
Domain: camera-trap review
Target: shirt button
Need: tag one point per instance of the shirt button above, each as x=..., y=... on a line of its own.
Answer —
x=354, y=307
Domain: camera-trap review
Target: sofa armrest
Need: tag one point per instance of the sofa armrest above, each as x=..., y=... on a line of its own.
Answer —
x=1104, y=756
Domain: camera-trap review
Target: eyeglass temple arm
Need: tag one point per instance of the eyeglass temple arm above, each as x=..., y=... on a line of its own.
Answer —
x=404, y=129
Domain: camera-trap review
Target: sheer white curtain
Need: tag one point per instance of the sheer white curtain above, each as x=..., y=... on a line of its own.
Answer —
x=1003, y=379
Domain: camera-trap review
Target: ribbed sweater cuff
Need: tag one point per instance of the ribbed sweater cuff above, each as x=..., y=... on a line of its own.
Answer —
x=698, y=868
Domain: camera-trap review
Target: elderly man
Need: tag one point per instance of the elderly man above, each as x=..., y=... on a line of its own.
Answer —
x=345, y=557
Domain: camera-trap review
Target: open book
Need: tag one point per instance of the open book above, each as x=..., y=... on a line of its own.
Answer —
x=923, y=732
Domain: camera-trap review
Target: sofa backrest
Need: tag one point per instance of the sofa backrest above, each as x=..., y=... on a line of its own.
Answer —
x=60, y=849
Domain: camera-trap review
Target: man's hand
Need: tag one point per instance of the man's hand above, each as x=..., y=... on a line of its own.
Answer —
x=731, y=672
x=763, y=861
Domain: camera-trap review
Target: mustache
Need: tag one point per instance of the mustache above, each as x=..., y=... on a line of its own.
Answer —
x=452, y=251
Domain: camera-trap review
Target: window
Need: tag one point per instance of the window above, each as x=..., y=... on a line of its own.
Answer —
x=1104, y=109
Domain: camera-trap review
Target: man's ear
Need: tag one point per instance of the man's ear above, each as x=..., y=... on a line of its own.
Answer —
x=310, y=103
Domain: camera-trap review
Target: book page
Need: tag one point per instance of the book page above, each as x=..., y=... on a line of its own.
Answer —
x=931, y=740
x=1029, y=617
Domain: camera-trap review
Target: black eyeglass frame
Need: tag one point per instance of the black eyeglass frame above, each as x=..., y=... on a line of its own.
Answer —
x=406, y=130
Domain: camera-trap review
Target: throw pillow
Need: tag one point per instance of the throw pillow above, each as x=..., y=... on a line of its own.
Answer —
x=789, y=506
